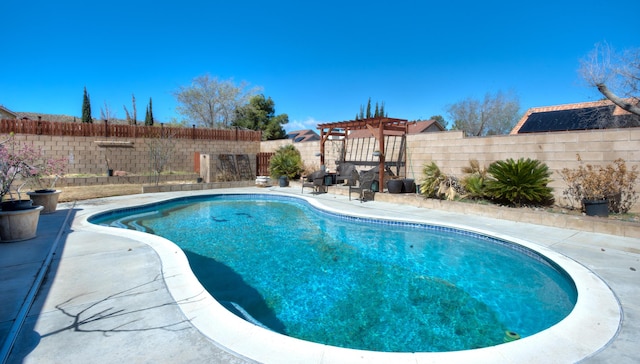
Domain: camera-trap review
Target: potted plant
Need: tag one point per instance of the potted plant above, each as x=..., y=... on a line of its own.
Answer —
x=42, y=175
x=18, y=220
x=601, y=189
x=46, y=196
x=285, y=164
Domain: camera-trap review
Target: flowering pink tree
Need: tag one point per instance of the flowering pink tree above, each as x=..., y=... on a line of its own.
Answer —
x=21, y=162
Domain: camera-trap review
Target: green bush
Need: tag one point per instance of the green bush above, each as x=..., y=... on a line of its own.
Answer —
x=475, y=186
x=286, y=162
x=518, y=183
x=474, y=181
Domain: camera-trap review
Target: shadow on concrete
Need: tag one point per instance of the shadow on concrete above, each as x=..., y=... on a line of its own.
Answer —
x=25, y=267
x=137, y=305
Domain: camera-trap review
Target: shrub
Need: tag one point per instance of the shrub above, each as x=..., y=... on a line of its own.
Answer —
x=436, y=184
x=22, y=163
x=474, y=182
x=614, y=181
x=521, y=182
x=286, y=162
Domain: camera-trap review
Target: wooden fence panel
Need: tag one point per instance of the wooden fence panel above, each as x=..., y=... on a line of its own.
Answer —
x=262, y=163
x=106, y=130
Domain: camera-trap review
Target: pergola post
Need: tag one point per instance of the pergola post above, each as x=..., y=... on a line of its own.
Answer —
x=382, y=156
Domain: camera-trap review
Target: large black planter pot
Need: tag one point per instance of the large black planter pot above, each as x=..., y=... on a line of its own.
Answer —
x=596, y=207
x=409, y=185
x=284, y=181
x=395, y=185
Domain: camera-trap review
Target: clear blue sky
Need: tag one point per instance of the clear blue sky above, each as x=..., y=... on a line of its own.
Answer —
x=319, y=61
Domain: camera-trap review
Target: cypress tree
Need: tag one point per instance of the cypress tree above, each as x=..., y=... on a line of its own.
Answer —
x=148, y=120
x=369, y=108
x=86, y=108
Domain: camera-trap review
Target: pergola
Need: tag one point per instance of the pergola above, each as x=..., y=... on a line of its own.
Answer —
x=376, y=127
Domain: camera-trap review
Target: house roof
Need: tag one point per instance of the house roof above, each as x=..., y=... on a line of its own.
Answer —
x=303, y=136
x=7, y=111
x=414, y=127
x=46, y=117
x=426, y=126
x=580, y=116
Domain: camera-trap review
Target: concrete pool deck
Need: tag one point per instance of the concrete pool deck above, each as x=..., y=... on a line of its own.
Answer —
x=105, y=298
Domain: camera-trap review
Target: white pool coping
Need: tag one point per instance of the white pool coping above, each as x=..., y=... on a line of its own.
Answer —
x=591, y=325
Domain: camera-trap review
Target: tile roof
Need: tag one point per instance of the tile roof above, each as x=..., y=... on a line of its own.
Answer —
x=303, y=135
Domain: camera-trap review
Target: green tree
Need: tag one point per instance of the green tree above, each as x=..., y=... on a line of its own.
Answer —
x=148, y=119
x=86, y=108
x=211, y=102
x=260, y=114
x=494, y=115
x=378, y=112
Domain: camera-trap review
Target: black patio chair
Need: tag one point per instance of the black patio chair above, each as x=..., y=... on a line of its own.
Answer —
x=364, y=182
x=315, y=180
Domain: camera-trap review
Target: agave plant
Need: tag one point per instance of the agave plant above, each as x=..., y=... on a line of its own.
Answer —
x=521, y=182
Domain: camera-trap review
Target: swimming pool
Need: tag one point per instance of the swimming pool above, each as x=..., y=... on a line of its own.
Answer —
x=427, y=306
x=592, y=324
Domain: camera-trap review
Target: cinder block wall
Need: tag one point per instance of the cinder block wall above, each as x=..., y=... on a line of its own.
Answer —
x=88, y=155
x=451, y=151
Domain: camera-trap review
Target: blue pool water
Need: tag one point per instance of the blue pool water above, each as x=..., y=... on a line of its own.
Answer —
x=357, y=283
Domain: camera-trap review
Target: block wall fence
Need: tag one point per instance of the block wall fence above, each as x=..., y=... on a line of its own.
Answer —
x=449, y=150
x=452, y=150
x=88, y=155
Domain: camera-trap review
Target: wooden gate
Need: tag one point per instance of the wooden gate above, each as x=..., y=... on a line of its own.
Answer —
x=262, y=163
